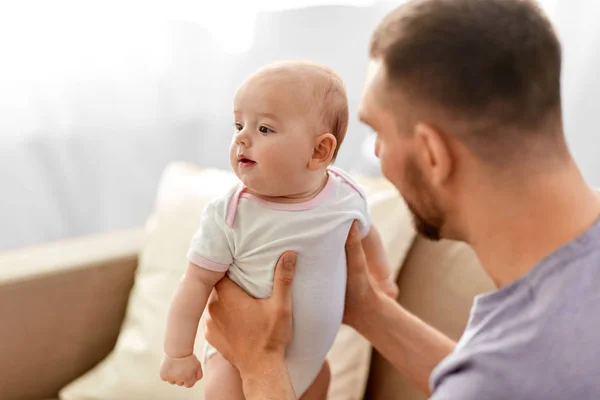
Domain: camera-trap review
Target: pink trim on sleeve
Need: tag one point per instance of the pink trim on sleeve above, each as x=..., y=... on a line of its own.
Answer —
x=206, y=264
x=349, y=181
x=233, y=205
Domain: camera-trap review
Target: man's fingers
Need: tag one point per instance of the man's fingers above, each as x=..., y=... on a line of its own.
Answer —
x=212, y=330
x=210, y=326
x=209, y=323
x=284, y=276
x=355, y=256
x=228, y=292
x=213, y=300
x=353, y=238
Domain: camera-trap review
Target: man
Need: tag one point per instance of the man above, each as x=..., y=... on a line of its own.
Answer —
x=465, y=98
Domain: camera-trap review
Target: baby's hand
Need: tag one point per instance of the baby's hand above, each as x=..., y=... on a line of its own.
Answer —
x=184, y=371
x=389, y=287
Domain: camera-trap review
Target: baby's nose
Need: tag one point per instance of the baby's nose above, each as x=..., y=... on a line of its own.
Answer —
x=243, y=139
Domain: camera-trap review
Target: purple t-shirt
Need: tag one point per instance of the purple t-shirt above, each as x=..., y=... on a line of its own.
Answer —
x=537, y=338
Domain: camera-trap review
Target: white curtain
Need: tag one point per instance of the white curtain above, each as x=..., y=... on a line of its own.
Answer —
x=95, y=101
x=577, y=22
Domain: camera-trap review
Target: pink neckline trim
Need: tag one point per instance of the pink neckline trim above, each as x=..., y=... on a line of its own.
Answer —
x=305, y=205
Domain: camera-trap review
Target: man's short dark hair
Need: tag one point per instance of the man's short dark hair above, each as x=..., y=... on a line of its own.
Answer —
x=497, y=61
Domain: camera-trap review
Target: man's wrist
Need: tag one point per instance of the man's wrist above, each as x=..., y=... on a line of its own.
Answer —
x=268, y=378
x=261, y=367
x=371, y=305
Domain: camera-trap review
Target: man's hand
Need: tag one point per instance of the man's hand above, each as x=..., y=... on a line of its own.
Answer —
x=411, y=345
x=248, y=332
x=389, y=287
x=360, y=286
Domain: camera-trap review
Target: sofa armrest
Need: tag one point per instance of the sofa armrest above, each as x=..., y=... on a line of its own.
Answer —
x=61, y=307
x=69, y=255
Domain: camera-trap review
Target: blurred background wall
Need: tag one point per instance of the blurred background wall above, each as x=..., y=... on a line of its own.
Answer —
x=97, y=98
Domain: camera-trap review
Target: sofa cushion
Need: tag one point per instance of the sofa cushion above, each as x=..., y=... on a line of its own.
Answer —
x=131, y=370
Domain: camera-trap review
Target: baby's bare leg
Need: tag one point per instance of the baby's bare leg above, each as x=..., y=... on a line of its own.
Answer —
x=221, y=380
x=318, y=389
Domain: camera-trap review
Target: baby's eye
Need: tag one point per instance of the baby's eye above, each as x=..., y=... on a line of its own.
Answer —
x=238, y=127
x=264, y=130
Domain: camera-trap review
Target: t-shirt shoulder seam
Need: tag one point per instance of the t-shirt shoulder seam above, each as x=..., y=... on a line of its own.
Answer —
x=218, y=206
x=348, y=181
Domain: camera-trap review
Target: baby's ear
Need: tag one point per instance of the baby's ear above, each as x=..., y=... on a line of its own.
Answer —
x=323, y=151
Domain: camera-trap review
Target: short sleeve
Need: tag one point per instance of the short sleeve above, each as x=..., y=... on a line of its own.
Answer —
x=359, y=200
x=210, y=247
x=364, y=222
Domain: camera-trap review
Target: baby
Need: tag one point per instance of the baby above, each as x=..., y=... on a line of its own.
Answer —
x=290, y=120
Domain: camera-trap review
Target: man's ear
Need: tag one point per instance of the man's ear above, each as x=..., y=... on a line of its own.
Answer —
x=433, y=153
x=323, y=151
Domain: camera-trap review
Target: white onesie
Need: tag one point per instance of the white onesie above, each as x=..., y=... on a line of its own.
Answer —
x=245, y=236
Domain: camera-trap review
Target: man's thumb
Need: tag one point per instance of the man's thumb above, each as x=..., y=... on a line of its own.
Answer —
x=284, y=276
x=355, y=256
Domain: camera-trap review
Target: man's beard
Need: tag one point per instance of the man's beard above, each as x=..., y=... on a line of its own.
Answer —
x=430, y=220
x=428, y=229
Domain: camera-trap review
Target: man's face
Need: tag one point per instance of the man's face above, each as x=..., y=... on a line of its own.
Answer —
x=399, y=153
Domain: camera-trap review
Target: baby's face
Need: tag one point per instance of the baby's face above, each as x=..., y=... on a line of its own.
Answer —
x=274, y=137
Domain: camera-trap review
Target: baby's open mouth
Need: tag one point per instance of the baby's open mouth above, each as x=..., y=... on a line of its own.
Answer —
x=245, y=161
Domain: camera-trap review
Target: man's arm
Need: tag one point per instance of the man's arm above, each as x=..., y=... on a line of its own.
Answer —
x=253, y=334
x=411, y=345
x=270, y=381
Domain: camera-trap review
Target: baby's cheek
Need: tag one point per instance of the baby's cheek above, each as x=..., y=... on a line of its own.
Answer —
x=233, y=162
x=232, y=153
x=287, y=156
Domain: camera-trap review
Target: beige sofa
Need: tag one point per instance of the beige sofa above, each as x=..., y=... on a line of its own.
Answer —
x=62, y=304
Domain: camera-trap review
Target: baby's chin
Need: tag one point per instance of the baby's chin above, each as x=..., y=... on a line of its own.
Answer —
x=259, y=188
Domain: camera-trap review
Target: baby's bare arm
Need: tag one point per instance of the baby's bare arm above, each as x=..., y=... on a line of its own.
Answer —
x=376, y=257
x=186, y=309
